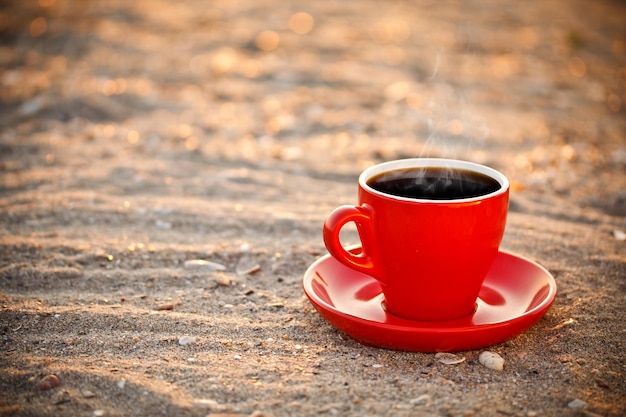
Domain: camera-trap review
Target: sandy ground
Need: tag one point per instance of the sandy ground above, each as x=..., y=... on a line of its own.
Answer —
x=138, y=135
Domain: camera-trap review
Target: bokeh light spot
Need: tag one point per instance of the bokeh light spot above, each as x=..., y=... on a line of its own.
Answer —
x=392, y=30
x=504, y=66
x=397, y=91
x=456, y=127
x=577, y=67
x=120, y=85
x=184, y=130
x=528, y=37
x=142, y=86
x=109, y=87
x=192, y=143
x=251, y=68
x=198, y=64
x=416, y=101
x=394, y=55
x=224, y=60
x=569, y=153
x=381, y=32
x=618, y=46
x=267, y=40
x=4, y=21
x=614, y=102
x=38, y=27
x=301, y=23
x=58, y=65
x=401, y=31
x=132, y=137
x=108, y=131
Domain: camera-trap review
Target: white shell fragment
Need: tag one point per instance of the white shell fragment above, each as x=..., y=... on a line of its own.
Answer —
x=576, y=403
x=162, y=224
x=619, y=235
x=449, y=358
x=223, y=281
x=422, y=399
x=185, y=340
x=202, y=265
x=204, y=403
x=249, y=271
x=491, y=360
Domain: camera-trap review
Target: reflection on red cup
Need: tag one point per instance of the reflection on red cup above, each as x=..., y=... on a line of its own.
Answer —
x=429, y=229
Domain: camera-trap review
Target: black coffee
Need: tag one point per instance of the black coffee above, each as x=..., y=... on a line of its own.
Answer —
x=434, y=183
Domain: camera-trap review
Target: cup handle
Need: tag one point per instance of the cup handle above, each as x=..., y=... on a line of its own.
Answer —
x=362, y=217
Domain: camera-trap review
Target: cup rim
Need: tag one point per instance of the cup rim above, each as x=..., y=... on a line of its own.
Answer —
x=433, y=162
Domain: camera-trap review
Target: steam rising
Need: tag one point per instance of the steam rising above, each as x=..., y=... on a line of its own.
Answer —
x=454, y=126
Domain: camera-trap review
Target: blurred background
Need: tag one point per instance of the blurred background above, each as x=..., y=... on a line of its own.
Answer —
x=537, y=90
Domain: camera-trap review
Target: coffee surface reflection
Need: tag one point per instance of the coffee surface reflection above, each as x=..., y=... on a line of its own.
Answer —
x=434, y=183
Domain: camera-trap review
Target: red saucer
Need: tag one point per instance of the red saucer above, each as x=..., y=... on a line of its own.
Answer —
x=515, y=295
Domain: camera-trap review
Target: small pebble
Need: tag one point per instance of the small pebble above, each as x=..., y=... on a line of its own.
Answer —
x=202, y=265
x=185, y=340
x=449, y=358
x=491, y=360
x=377, y=366
x=237, y=357
x=602, y=383
x=251, y=306
x=167, y=306
x=223, y=281
x=576, y=403
x=204, y=403
x=424, y=398
x=249, y=271
x=61, y=397
x=49, y=382
x=30, y=107
x=275, y=305
x=163, y=224
x=619, y=235
x=98, y=413
x=121, y=384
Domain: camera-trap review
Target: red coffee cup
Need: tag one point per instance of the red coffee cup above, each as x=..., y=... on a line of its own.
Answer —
x=429, y=229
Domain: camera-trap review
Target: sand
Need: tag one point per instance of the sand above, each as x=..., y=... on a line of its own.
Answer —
x=138, y=135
